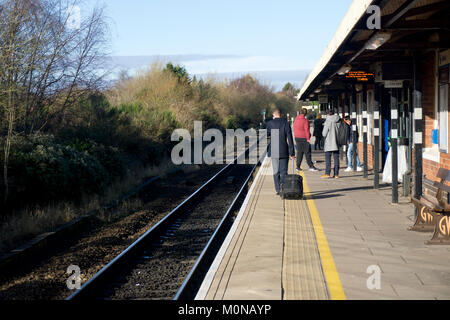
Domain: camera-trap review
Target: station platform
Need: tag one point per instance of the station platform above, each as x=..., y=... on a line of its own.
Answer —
x=345, y=241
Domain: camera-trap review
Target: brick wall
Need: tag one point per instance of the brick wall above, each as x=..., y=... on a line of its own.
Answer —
x=430, y=168
x=429, y=71
x=370, y=160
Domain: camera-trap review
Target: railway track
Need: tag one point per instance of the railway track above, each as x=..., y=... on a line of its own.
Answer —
x=169, y=260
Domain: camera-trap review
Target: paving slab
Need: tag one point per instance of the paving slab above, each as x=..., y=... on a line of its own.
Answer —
x=408, y=266
x=344, y=238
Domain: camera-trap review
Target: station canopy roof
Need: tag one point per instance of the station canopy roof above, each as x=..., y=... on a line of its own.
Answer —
x=407, y=26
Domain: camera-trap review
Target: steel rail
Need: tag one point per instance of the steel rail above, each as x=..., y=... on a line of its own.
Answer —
x=91, y=287
x=193, y=280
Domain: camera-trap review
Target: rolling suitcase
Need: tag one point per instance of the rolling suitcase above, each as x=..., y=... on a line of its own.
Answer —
x=292, y=187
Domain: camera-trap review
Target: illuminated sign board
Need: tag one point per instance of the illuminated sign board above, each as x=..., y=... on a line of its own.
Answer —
x=393, y=84
x=360, y=76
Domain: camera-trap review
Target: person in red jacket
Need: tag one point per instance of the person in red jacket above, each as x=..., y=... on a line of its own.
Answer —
x=302, y=133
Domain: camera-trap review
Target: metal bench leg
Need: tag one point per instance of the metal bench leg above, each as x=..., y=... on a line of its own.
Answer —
x=442, y=230
x=424, y=220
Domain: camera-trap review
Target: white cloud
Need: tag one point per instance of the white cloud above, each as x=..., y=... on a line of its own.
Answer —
x=243, y=64
x=274, y=71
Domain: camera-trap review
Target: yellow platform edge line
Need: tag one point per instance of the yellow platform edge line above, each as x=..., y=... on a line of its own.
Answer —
x=329, y=267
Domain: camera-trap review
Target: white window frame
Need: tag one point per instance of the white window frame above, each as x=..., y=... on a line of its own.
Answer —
x=433, y=153
x=443, y=118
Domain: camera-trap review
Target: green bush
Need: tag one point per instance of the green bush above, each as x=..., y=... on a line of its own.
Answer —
x=158, y=125
x=237, y=122
x=95, y=123
x=109, y=157
x=43, y=170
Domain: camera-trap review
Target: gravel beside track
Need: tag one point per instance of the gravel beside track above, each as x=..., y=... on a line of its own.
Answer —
x=158, y=273
x=96, y=247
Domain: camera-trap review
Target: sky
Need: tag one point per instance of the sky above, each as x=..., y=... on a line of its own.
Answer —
x=232, y=36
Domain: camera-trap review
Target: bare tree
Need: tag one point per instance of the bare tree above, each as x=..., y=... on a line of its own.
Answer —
x=46, y=62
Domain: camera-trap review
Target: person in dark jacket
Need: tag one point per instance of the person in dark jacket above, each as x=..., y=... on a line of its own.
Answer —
x=302, y=133
x=281, y=148
x=350, y=148
x=318, y=128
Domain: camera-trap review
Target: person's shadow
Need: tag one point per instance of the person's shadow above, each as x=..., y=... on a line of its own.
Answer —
x=326, y=194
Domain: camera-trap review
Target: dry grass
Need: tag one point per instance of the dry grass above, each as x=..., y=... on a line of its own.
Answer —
x=152, y=87
x=22, y=226
x=126, y=208
x=29, y=223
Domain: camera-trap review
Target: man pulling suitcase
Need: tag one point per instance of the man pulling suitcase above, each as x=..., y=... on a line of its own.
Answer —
x=281, y=148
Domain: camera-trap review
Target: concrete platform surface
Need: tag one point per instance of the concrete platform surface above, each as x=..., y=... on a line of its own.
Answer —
x=344, y=241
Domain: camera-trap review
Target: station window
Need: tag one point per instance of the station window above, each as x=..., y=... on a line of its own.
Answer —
x=443, y=117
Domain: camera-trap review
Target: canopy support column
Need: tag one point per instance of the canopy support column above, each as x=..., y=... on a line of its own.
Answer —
x=394, y=143
x=376, y=133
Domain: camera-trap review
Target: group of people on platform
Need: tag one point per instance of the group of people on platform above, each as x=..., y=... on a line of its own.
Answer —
x=328, y=137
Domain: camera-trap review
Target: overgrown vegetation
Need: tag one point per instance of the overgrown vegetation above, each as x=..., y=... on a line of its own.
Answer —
x=130, y=124
x=64, y=136
x=46, y=64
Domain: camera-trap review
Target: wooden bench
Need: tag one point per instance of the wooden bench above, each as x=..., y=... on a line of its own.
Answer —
x=434, y=209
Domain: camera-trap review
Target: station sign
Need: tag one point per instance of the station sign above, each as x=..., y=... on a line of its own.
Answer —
x=360, y=76
x=393, y=84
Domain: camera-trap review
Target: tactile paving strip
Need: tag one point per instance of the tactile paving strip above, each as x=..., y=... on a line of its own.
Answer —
x=303, y=276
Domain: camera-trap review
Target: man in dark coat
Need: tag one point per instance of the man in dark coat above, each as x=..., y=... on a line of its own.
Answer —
x=281, y=148
x=318, y=128
x=350, y=148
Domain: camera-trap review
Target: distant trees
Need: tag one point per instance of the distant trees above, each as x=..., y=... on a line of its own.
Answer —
x=179, y=71
x=48, y=58
x=238, y=103
x=290, y=90
x=248, y=97
x=287, y=87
